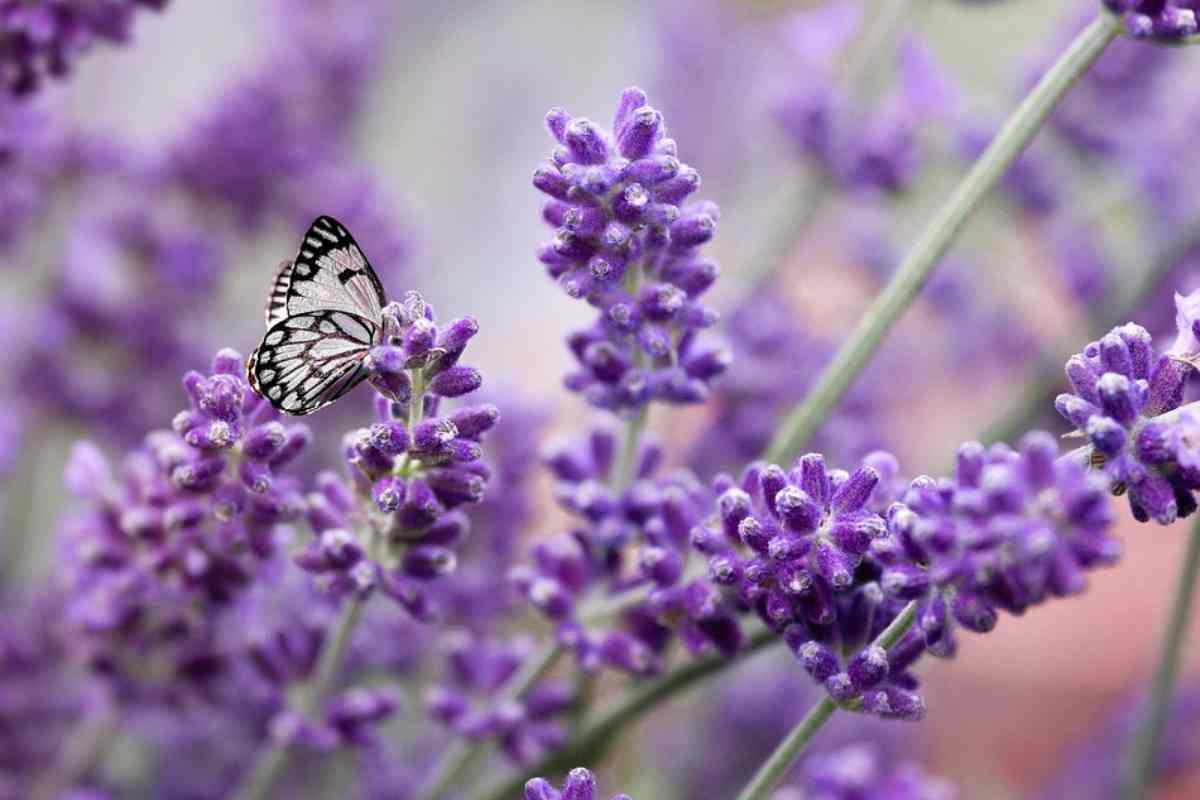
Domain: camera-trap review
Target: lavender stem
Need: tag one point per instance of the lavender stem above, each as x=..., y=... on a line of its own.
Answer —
x=1145, y=746
x=777, y=765
x=941, y=232
x=271, y=764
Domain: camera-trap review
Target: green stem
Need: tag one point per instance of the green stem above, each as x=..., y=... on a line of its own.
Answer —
x=597, y=734
x=627, y=462
x=83, y=750
x=942, y=231
x=780, y=762
x=271, y=763
x=1145, y=746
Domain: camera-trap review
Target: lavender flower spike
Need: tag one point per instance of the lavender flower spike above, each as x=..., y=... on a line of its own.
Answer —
x=1163, y=20
x=1119, y=385
x=580, y=785
x=626, y=242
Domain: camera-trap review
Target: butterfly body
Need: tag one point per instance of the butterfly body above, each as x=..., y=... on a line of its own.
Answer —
x=323, y=315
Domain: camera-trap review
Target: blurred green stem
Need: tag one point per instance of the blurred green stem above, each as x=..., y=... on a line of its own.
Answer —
x=271, y=763
x=456, y=762
x=780, y=762
x=596, y=734
x=942, y=231
x=1142, y=753
x=80, y=753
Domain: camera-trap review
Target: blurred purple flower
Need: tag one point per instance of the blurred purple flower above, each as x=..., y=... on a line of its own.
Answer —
x=175, y=536
x=878, y=150
x=1094, y=771
x=43, y=40
x=465, y=699
x=859, y=772
x=776, y=358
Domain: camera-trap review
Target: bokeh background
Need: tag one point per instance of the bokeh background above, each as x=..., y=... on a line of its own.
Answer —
x=147, y=197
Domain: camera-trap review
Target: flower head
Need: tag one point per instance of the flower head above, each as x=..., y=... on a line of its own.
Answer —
x=626, y=242
x=1156, y=19
x=1118, y=387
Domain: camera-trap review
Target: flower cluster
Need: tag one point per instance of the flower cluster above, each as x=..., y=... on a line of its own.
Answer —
x=1009, y=531
x=177, y=534
x=1119, y=385
x=396, y=520
x=625, y=242
x=625, y=540
x=830, y=558
x=123, y=275
x=1157, y=19
x=43, y=39
x=478, y=671
x=880, y=151
x=793, y=546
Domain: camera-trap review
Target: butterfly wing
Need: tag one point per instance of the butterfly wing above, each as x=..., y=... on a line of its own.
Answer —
x=306, y=361
x=277, y=302
x=330, y=273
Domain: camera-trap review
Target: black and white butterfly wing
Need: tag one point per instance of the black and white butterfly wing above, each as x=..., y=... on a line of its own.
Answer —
x=330, y=273
x=306, y=361
x=277, y=301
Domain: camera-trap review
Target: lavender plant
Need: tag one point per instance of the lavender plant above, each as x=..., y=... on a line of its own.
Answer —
x=254, y=611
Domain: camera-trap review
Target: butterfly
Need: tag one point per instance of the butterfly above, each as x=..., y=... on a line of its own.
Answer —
x=324, y=315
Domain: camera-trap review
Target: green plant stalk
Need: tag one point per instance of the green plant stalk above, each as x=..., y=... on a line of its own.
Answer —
x=942, y=231
x=271, y=763
x=1141, y=755
x=599, y=732
x=777, y=765
x=626, y=468
x=456, y=762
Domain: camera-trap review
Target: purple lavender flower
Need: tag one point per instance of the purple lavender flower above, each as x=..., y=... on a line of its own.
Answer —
x=177, y=535
x=625, y=242
x=878, y=151
x=478, y=670
x=479, y=595
x=858, y=772
x=792, y=546
x=579, y=785
x=43, y=40
x=623, y=541
x=1009, y=531
x=121, y=305
x=1118, y=386
x=1165, y=20
x=397, y=522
